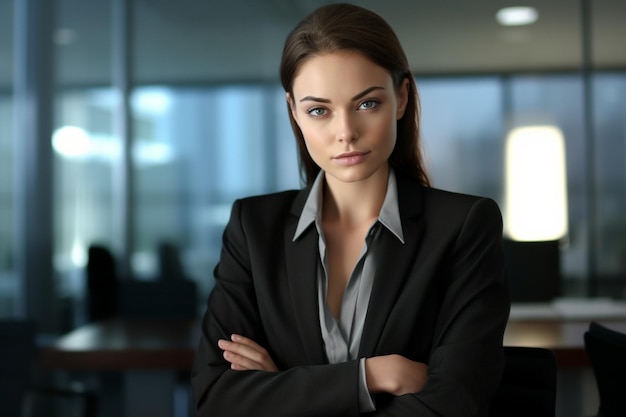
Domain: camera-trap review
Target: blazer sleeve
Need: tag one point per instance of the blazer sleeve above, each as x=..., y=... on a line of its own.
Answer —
x=467, y=358
x=307, y=390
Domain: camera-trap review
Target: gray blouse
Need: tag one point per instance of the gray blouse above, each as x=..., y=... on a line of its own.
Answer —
x=342, y=337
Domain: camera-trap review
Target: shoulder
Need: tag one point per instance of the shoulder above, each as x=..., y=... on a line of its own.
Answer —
x=462, y=211
x=435, y=203
x=449, y=212
x=448, y=201
x=266, y=210
x=266, y=204
x=271, y=200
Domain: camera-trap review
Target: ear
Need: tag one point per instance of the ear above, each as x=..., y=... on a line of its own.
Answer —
x=291, y=105
x=403, y=98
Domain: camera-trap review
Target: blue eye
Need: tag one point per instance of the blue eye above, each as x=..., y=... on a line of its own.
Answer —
x=317, y=111
x=368, y=104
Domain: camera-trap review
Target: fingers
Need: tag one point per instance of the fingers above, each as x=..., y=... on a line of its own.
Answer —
x=241, y=363
x=246, y=341
x=245, y=354
x=244, y=347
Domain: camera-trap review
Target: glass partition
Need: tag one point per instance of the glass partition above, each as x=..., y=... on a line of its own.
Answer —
x=462, y=132
x=85, y=155
x=557, y=100
x=196, y=150
x=8, y=279
x=86, y=150
x=209, y=125
x=609, y=110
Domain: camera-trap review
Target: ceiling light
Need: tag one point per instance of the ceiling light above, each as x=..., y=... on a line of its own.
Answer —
x=517, y=16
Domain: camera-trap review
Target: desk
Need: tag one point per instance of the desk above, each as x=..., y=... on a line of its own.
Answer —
x=171, y=344
x=560, y=326
x=563, y=337
x=576, y=389
x=148, y=353
x=122, y=344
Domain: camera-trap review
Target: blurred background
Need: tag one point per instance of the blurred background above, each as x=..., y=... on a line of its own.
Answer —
x=128, y=127
x=129, y=124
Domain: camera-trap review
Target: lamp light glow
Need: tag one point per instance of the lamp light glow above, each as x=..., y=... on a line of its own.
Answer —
x=71, y=142
x=536, y=185
x=517, y=16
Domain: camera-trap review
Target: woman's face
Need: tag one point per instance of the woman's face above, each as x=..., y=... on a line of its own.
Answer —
x=347, y=108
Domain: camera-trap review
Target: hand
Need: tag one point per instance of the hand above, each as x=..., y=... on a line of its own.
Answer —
x=395, y=374
x=245, y=354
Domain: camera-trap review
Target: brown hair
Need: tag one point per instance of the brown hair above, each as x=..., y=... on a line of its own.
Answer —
x=339, y=27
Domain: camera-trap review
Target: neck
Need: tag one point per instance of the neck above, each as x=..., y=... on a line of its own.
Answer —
x=356, y=202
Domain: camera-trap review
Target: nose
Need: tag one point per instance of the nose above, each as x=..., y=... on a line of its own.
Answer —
x=346, y=127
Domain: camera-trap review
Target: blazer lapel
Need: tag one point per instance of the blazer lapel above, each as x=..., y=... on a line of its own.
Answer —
x=302, y=263
x=394, y=261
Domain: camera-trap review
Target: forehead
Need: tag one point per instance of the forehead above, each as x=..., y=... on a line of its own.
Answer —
x=338, y=73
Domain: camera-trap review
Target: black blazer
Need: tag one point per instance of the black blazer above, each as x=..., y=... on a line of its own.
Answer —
x=440, y=298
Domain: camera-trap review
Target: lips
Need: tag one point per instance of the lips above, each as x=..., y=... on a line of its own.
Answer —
x=350, y=158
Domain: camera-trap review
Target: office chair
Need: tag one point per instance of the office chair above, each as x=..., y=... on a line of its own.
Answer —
x=528, y=385
x=533, y=269
x=170, y=264
x=102, y=284
x=17, y=351
x=607, y=351
x=161, y=299
x=56, y=402
x=19, y=397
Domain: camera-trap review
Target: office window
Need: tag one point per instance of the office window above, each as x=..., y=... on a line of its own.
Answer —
x=86, y=154
x=8, y=279
x=214, y=65
x=609, y=113
x=194, y=151
x=86, y=151
x=557, y=99
x=198, y=149
x=462, y=133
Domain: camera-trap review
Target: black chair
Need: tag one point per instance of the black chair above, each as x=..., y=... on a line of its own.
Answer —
x=170, y=264
x=17, y=353
x=19, y=396
x=533, y=269
x=607, y=351
x=55, y=402
x=161, y=299
x=528, y=386
x=102, y=284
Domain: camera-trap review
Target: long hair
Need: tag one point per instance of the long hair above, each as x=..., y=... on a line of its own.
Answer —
x=340, y=27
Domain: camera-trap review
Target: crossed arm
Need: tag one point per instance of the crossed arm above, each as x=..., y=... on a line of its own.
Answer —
x=465, y=362
x=392, y=374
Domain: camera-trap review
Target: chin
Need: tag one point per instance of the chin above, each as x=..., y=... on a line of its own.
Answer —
x=352, y=176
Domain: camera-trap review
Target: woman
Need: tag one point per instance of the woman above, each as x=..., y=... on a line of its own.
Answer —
x=367, y=292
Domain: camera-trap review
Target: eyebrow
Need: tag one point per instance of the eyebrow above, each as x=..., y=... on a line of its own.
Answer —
x=358, y=96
